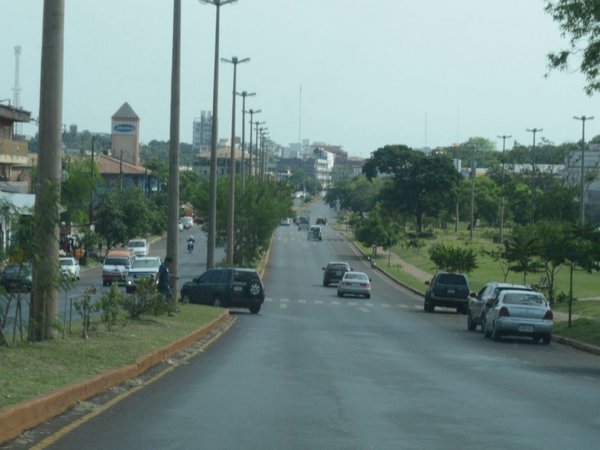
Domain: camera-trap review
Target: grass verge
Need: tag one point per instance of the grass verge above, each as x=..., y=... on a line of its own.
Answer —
x=29, y=370
x=583, y=330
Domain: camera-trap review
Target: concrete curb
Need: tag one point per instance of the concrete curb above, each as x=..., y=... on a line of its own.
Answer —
x=20, y=417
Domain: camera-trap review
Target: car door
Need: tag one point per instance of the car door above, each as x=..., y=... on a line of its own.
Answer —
x=201, y=289
x=477, y=303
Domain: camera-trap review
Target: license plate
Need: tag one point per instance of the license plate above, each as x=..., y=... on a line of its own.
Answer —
x=526, y=328
x=451, y=291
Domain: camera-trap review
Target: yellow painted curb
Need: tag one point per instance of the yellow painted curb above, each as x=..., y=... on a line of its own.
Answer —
x=20, y=417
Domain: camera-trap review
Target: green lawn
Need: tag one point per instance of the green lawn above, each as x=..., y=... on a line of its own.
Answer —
x=28, y=370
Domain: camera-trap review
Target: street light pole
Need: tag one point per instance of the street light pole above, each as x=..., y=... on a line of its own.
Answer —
x=257, y=150
x=504, y=137
x=244, y=94
x=472, y=171
x=534, y=131
x=583, y=119
x=212, y=208
x=231, y=203
x=252, y=112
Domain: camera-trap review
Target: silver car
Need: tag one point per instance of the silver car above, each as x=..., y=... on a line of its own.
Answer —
x=519, y=313
x=142, y=267
x=479, y=304
x=354, y=283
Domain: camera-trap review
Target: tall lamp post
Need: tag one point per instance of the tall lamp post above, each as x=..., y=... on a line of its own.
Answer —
x=244, y=94
x=212, y=208
x=263, y=134
x=504, y=137
x=252, y=112
x=583, y=119
x=257, y=149
x=472, y=172
x=231, y=203
x=534, y=131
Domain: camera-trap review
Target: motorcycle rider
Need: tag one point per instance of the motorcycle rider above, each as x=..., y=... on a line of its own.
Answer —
x=190, y=243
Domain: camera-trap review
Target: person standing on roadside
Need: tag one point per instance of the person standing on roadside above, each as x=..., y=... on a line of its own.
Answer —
x=164, y=286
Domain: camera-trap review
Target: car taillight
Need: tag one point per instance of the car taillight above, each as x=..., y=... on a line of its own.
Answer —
x=503, y=312
x=548, y=315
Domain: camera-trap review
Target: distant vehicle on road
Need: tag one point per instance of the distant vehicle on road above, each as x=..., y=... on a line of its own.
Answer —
x=354, y=283
x=321, y=221
x=17, y=278
x=335, y=271
x=480, y=303
x=116, y=265
x=519, y=313
x=447, y=289
x=142, y=267
x=286, y=222
x=226, y=287
x=303, y=223
x=140, y=247
x=69, y=267
x=187, y=222
x=316, y=233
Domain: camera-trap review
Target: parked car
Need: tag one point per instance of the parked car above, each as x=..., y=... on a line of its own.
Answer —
x=519, y=313
x=140, y=247
x=17, y=278
x=334, y=272
x=116, y=265
x=447, y=289
x=286, y=221
x=321, y=221
x=478, y=304
x=315, y=232
x=69, y=267
x=142, y=267
x=354, y=283
x=226, y=287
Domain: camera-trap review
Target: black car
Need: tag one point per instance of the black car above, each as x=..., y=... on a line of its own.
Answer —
x=447, y=289
x=17, y=278
x=226, y=287
x=334, y=272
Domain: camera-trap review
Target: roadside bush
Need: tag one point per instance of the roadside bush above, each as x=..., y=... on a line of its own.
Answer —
x=85, y=307
x=453, y=259
x=146, y=300
x=109, y=306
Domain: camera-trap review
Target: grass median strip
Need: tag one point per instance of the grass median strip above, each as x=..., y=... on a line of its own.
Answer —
x=29, y=370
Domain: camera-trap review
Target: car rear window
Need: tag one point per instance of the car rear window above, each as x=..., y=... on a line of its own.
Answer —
x=453, y=279
x=145, y=264
x=355, y=276
x=338, y=267
x=524, y=299
x=116, y=262
x=243, y=276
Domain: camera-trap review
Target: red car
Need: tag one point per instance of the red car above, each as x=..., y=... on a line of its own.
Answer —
x=321, y=221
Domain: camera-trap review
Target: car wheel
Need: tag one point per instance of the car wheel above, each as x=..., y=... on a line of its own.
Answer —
x=546, y=339
x=254, y=309
x=217, y=302
x=486, y=332
x=471, y=325
x=339, y=294
x=105, y=283
x=368, y=295
x=254, y=288
x=185, y=297
x=325, y=283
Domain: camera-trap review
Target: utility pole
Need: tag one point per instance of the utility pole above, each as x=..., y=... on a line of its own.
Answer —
x=257, y=150
x=244, y=94
x=534, y=131
x=173, y=191
x=252, y=112
x=472, y=171
x=44, y=295
x=458, y=169
x=212, y=208
x=583, y=119
x=231, y=203
x=504, y=137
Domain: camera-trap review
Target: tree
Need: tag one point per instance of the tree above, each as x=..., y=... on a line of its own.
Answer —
x=453, y=259
x=580, y=20
x=378, y=230
x=76, y=190
x=520, y=252
x=420, y=184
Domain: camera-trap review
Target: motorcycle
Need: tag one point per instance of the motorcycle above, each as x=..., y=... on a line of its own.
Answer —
x=190, y=246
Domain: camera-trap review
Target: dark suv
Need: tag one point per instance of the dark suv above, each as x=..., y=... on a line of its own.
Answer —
x=226, y=287
x=447, y=289
x=334, y=271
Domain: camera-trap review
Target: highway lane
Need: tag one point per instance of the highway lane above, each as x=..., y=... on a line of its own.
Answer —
x=316, y=371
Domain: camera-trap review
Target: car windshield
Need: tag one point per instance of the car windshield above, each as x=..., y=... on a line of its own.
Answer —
x=145, y=264
x=524, y=299
x=136, y=244
x=115, y=262
x=16, y=269
x=453, y=279
x=67, y=262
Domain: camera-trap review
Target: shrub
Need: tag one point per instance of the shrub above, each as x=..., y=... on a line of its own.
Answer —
x=146, y=300
x=109, y=306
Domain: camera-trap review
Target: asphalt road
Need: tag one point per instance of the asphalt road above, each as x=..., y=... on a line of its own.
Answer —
x=314, y=371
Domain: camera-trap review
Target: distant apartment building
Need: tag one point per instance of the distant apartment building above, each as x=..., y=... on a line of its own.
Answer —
x=202, y=132
x=591, y=177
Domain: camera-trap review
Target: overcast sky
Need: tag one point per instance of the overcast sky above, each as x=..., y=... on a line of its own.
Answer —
x=355, y=73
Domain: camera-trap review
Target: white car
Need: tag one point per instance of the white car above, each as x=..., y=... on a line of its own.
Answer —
x=139, y=247
x=142, y=267
x=354, y=283
x=69, y=266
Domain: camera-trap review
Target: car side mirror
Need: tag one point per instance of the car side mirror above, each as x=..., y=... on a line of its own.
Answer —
x=428, y=283
x=473, y=294
x=489, y=303
x=323, y=268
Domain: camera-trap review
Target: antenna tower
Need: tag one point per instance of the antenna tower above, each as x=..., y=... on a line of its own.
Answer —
x=18, y=130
